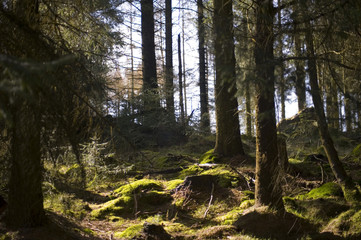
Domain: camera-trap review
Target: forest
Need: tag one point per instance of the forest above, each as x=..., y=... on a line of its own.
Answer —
x=199, y=119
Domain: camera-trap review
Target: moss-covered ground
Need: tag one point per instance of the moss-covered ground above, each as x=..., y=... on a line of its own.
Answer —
x=152, y=188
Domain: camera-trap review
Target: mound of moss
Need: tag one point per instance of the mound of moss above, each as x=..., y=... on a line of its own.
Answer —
x=209, y=157
x=190, y=171
x=130, y=232
x=347, y=224
x=144, y=194
x=327, y=190
x=224, y=177
x=138, y=186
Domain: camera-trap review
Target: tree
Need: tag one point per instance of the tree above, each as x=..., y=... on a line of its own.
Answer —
x=350, y=191
x=228, y=138
x=169, y=89
x=37, y=98
x=205, y=121
x=268, y=189
x=150, y=84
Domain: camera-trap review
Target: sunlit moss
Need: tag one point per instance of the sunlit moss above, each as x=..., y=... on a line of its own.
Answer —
x=209, y=157
x=130, y=232
x=225, y=178
x=230, y=217
x=247, y=204
x=170, y=185
x=137, y=186
x=114, y=207
x=329, y=189
x=192, y=170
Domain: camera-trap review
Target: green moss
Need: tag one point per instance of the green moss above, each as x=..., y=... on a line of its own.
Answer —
x=356, y=153
x=67, y=204
x=137, y=186
x=191, y=170
x=170, y=185
x=248, y=195
x=209, y=157
x=230, y=217
x=247, y=204
x=225, y=177
x=114, y=207
x=347, y=224
x=154, y=198
x=327, y=190
x=130, y=232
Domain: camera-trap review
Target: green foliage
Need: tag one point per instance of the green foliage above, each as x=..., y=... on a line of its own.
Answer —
x=247, y=204
x=209, y=157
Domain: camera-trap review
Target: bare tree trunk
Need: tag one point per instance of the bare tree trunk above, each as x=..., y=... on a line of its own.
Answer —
x=150, y=85
x=25, y=207
x=169, y=88
x=228, y=138
x=205, y=121
x=180, y=78
x=268, y=189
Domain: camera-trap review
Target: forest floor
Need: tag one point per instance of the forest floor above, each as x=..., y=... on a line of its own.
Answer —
x=192, y=194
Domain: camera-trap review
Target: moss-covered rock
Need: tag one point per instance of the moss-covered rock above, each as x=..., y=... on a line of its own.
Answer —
x=318, y=210
x=224, y=177
x=347, y=224
x=130, y=232
x=114, y=207
x=138, y=186
x=327, y=190
x=209, y=157
x=190, y=171
x=173, y=184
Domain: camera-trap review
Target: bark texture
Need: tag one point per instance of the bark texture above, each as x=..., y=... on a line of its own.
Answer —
x=268, y=189
x=228, y=138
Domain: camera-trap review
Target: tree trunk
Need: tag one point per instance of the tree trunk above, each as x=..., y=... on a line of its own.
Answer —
x=228, y=138
x=300, y=72
x=25, y=193
x=150, y=84
x=282, y=82
x=180, y=78
x=268, y=189
x=205, y=121
x=350, y=191
x=169, y=88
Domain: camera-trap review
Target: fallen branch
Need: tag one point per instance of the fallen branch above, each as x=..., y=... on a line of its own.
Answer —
x=210, y=202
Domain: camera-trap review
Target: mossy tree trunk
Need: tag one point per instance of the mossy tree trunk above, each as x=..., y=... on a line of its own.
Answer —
x=268, y=189
x=228, y=138
x=350, y=191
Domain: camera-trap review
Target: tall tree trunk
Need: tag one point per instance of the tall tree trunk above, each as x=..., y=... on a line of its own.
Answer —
x=350, y=191
x=25, y=185
x=205, y=121
x=169, y=88
x=25, y=195
x=180, y=78
x=268, y=188
x=150, y=84
x=282, y=82
x=228, y=138
x=248, y=109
